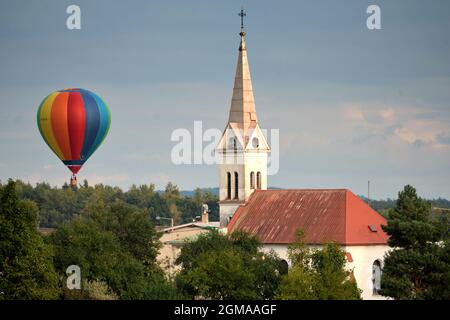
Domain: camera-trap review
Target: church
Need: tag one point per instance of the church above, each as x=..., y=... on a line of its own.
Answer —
x=274, y=216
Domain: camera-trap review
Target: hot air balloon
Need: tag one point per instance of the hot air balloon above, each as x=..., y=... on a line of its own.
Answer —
x=73, y=122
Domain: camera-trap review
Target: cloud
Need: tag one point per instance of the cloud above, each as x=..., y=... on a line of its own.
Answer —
x=416, y=140
x=405, y=134
x=354, y=114
x=421, y=143
x=443, y=138
x=388, y=114
x=411, y=125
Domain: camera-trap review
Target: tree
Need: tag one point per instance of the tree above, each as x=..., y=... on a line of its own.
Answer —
x=131, y=226
x=298, y=284
x=332, y=280
x=91, y=290
x=418, y=267
x=59, y=205
x=219, y=266
x=172, y=196
x=26, y=265
x=409, y=224
x=116, y=245
x=317, y=274
x=221, y=275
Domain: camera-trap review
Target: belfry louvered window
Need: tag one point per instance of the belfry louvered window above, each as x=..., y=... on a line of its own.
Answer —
x=236, y=185
x=258, y=180
x=252, y=180
x=228, y=185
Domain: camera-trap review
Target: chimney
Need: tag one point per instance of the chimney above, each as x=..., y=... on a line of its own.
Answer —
x=205, y=215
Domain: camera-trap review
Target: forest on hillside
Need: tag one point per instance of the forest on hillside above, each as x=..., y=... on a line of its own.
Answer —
x=439, y=206
x=110, y=237
x=61, y=204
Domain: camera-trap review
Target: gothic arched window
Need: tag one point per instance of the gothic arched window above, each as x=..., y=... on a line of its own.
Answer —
x=252, y=180
x=228, y=185
x=258, y=180
x=376, y=276
x=236, y=186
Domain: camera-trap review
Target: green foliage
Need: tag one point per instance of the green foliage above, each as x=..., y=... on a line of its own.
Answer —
x=419, y=265
x=298, y=284
x=91, y=290
x=220, y=275
x=116, y=245
x=58, y=205
x=216, y=266
x=408, y=222
x=26, y=266
x=384, y=206
x=132, y=227
x=107, y=232
x=333, y=282
x=317, y=274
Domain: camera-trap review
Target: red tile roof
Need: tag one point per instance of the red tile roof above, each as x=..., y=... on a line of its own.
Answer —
x=335, y=215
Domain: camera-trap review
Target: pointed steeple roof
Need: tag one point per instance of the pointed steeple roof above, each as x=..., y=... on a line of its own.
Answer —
x=242, y=120
x=242, y=110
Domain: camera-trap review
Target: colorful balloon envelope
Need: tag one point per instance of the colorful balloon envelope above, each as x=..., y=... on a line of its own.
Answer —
x=73, y=122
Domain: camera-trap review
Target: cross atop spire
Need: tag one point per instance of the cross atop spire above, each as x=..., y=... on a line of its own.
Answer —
x=242, y=111
x=242, y=14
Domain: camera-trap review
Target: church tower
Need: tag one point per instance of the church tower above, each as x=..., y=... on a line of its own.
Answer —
x=243, y=150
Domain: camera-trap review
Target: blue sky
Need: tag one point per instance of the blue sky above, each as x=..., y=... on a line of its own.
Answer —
x=351, y=104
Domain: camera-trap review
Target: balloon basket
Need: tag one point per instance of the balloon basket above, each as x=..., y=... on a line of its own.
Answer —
x=73, y=181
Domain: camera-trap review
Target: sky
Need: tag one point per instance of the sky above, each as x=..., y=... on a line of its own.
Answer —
x=351, y=104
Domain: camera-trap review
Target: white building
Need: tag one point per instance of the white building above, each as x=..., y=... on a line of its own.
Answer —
x=275, y=215
x=174, y=238
x=243, y=148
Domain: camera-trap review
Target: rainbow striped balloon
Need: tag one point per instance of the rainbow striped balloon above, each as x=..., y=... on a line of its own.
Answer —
x=73, y=122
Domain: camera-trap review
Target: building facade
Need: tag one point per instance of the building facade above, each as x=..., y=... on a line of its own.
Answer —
x=324, y=215
x=274, y=216
x=243, y=149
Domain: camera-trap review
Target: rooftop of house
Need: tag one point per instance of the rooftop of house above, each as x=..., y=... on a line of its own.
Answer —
x=325, y=215
x=197, y=224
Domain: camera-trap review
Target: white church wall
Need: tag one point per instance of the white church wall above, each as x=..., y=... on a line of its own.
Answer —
x=363, y=259
x=255, y=162
x=243, y=164
x=226, y=211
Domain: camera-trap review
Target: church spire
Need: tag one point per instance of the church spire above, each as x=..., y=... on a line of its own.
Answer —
x=243, y=148
x=242, y=110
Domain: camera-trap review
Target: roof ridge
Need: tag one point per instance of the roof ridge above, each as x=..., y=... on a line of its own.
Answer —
x=324, y=214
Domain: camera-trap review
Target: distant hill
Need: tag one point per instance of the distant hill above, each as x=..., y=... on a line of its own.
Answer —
x=390, y=203
x=383, y=206
x=191, y=193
